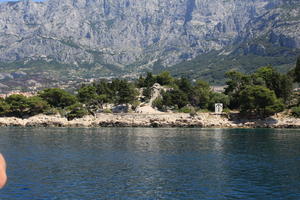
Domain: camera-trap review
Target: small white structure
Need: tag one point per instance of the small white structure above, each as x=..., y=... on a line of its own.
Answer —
x=218, y=108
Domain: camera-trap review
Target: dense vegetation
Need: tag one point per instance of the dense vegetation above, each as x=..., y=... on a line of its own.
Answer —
x=261, y=94
x=19, y=106
x=89, y=99
x=295, y=73
x=184, y=95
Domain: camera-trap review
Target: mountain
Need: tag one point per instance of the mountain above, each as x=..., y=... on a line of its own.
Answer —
x=96, y=38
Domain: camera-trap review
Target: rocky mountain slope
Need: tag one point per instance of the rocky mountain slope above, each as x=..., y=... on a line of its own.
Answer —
x=92, y=38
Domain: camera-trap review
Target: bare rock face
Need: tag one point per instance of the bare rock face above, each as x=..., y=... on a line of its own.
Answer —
x=139, y=33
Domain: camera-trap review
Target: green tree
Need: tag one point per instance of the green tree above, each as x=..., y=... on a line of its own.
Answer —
x=18, y=105
x=236, y=82
x=147, y=93
x=37, y=105
x=58, y=97
x=166, y=99
x=105, y=88
x=260, y=101
x=87, y=94
x=158, y=103
x=175, y=98
x=218, y=98
x=297, y=71
x=164, y=78
x=296, y=112
x=101, y=99
x=140, y=82
x=76, y=111
x=268, y=77
x=286, y=87
x=281, y=84
x=149, y=80
x=184, y=85
x=200, y=96
x=4, y=107
x=126, y=93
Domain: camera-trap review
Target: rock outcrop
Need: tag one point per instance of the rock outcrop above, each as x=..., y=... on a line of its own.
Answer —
x=147, y=107
x=202, y=120
x=140, y=33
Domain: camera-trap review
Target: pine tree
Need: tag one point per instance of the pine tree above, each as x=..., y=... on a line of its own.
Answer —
x=297, y=71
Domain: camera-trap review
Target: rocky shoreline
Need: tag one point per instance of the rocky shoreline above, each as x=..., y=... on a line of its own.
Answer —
x=202, y=120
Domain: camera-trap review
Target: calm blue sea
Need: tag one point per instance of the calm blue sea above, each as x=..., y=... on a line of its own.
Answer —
x=145, y=163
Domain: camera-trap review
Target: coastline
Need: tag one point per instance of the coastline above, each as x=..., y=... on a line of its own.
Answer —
x=202, y=120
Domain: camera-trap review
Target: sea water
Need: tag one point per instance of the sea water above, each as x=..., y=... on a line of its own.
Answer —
x=147, y=163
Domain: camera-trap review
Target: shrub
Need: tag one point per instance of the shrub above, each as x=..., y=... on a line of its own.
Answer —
x=226, y=110
x=76, y=111
x=296, y=112
x=203, y=111
x=277, y=107
x=51, y=111
x=193, y=112
x=135, y=104
x=147, y=93
x=185, y=109
x=218, y=98
x=107, y=111
x=158, y=103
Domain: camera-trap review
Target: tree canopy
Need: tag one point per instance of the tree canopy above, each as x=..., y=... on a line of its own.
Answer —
x=18, y=105
x=260, y=100
x=58, y=97
x=268, y=77
x=297, y=71
x=263, y=93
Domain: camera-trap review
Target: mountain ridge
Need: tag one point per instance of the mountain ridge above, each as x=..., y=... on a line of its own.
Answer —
x=108, y=37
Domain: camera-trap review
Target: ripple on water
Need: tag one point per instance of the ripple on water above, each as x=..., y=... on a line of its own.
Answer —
x=127, y=163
